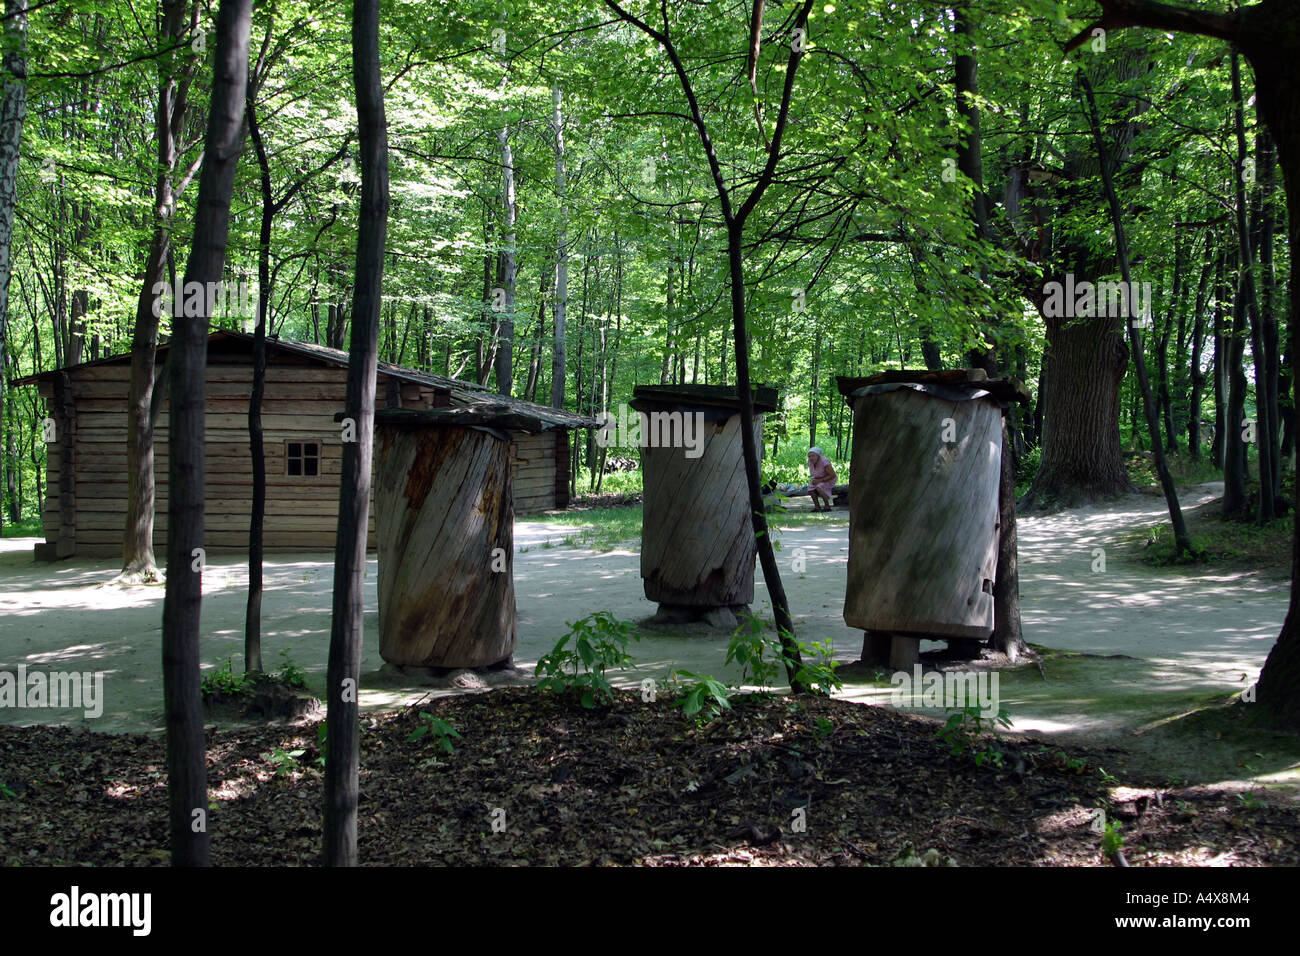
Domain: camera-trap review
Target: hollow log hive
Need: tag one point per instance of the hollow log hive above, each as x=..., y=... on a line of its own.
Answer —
x=443, y=506
x=697, y=542
x=924, y=505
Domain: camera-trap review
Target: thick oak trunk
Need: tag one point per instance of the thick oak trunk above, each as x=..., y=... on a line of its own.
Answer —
x=1082, y=458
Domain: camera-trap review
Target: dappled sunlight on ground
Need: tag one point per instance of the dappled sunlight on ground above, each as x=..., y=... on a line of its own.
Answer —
x=1154, y=642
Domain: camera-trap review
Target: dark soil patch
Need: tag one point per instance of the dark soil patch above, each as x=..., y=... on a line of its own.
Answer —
x=632, y=783
x=262, y=698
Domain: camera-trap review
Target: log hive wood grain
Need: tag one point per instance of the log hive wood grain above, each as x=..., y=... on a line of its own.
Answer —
x=697, y=541
x=923, y=516
x=445, y=520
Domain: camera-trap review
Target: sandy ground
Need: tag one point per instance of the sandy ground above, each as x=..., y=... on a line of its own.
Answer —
x=1186, y=635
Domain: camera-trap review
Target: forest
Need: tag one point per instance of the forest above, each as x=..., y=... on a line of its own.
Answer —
x=447, y=221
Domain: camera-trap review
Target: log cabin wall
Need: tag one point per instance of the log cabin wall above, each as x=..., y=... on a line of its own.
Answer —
x=534, y=472
x=299, y=407
x=59, y=509
x=84, y=511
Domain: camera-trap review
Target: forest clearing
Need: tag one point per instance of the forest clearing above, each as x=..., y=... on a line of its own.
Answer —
x=1137, y=664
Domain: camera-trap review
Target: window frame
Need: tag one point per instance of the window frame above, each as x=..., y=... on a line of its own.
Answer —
x=303, y=457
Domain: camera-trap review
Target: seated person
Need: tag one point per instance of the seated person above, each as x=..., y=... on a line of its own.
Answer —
x=822, y=486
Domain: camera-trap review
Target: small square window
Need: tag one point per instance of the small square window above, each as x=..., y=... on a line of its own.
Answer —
x=302, y=458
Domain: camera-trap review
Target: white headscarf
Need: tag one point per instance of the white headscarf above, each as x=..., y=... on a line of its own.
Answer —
x=814, y=450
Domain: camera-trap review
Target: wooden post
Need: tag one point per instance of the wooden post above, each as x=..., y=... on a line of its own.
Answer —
x=697, y=541
x=445, y=513
x=1007, y=638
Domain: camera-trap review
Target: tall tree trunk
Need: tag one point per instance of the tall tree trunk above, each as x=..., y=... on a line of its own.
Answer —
x=1220, y=360
x=186, y=763
x=138, y=563
x=1164, y=401
x=1246, y=291
x=1182, y=543
x=1235, y=500
x=1195, y=374
x=1266, y=161
x=256, y=449
x=507, y=267
x=346, y=629
x=735, y=219
x=13, y=111
x=558, y=370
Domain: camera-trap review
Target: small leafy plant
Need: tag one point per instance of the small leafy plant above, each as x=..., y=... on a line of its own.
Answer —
x=439, y=729
x=963, y=729
x=703, y=697
x=290, y=674
x=1250, y=800
x=580, y=658
x=1112, y=841
x=284, y=760
x=818, y=668
x=225, y=682
x=822, y=728
x=750, y=646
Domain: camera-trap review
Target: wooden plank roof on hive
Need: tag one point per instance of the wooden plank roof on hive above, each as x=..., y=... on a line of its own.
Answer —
x=719, y=396
x=1005, y=390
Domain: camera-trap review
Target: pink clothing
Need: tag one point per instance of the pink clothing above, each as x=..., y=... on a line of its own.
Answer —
x=823, y=476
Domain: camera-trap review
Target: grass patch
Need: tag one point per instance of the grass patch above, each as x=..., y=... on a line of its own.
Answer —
x=1232, y=543
x=27, y=528
x=1142, y=469
x=600, y=528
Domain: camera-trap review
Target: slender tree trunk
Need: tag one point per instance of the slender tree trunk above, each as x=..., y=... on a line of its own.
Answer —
x=1235, y=500
x=138, y=562
x=1220, y=362
x=1246, y=291
x=186, y=763
x=256, y=449
x=735, y=219
x=13, y=111
x=1266, y=160
x=342, y=741
x=1196, y=375
x=506, y=269
x=1182, y=542
x=558, y=370
x=1164, y=402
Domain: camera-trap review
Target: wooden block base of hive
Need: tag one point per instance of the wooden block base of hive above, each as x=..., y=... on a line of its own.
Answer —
x=724, y=618
x=503, y=672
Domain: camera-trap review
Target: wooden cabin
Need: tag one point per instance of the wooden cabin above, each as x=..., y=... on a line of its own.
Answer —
x=84, y=511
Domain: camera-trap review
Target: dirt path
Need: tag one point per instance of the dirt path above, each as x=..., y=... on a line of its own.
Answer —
x=1187, y=636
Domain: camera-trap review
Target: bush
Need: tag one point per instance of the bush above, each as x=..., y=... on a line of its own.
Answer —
x=1029, y=462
